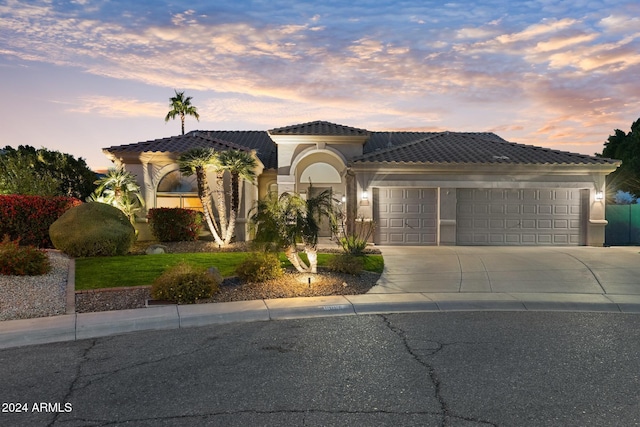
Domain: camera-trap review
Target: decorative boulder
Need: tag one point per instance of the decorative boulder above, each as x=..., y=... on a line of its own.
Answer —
x=93, y=229
x=156, y=250
x=214, y=273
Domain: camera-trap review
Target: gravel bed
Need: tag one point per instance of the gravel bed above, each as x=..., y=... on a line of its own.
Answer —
x=112, y=299
x=291, y=285
x=24, y=297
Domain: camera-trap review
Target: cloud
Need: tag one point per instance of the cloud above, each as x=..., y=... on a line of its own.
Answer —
x=400, y=64
x=546, y=27
x=620, y=23
x=118, y=107
x=558, y=43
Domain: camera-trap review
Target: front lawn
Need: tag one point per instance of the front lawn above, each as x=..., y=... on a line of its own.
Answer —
x=140, y=270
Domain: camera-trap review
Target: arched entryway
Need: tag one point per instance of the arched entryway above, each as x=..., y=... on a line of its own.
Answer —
x=319, y=171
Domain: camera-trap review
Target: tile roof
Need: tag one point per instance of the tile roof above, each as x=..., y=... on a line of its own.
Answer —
x=460, y=147
x=319, y=128
x=243, y=141
x=258, y=140
x=383, y=147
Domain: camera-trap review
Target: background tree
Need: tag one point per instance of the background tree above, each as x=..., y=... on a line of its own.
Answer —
x=625, y=147
x=42, y=172
x=181, y=107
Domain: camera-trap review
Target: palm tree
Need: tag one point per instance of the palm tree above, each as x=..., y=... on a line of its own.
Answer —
x=221, y=201
x=241, y=166
x=285, y=220
x=119, y=188
x=197, y=161
x=181, y=106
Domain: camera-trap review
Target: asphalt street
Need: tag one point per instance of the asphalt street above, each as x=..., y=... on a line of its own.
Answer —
x=422, y=369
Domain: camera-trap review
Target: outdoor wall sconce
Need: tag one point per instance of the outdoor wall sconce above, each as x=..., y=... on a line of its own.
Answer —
x=364, y=198
x=344, y=199
x=599, y=195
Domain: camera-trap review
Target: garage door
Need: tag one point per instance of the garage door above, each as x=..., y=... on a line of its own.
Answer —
x=519, y=217
x=405, y=216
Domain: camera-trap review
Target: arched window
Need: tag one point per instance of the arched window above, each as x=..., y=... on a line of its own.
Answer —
x=175, y=182
x=178, y=191
x=320, y=172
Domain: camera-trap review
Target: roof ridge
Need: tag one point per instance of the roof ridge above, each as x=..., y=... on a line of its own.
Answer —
x=287, y=129
x=232, y=131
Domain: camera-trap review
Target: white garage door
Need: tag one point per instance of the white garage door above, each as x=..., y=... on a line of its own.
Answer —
x=519, y=217
x=405, y=216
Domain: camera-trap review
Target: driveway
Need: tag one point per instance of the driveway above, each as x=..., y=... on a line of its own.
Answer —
x=482, y=269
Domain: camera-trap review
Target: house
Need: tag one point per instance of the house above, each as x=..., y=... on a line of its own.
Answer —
x=420, y=188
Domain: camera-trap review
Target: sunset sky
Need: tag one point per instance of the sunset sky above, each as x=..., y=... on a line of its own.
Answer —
x=81, y=75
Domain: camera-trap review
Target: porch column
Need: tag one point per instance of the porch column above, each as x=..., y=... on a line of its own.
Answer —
x=351, y=210
x=286, y=184
x=148, y=190
x=597, y=222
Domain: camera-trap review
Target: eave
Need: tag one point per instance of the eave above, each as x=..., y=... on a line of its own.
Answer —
x=484, y=168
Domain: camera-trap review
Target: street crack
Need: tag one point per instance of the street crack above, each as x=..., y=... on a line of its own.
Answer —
x=205, y=415
x=445, y=410
x=78, y=374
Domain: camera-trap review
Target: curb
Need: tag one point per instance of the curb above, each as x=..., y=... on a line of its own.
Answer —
x=77, y=326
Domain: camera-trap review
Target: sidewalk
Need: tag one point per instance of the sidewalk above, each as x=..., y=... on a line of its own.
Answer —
x=432, y=279
x=72, y=327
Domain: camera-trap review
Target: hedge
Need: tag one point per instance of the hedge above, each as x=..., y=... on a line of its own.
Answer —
x=175, y=224
x=28, y=218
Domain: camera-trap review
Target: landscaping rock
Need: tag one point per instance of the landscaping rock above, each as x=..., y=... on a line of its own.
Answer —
x=156, y=250
x=215, y=274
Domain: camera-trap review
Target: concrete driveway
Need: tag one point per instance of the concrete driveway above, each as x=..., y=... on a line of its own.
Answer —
x=528, y=270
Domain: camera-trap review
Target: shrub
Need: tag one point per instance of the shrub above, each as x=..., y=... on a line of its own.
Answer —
x=346, y=263
x=93, y=229
x=259, y=266
x=355, y=241
x=184, y=284
x=353, y=244
x=175, y=224
x=18, y=260
x=28, y=218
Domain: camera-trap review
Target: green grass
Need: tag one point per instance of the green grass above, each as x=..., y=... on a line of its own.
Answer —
x=140, y=270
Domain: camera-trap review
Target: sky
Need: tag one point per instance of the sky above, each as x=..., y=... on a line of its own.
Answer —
x=81, y=75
